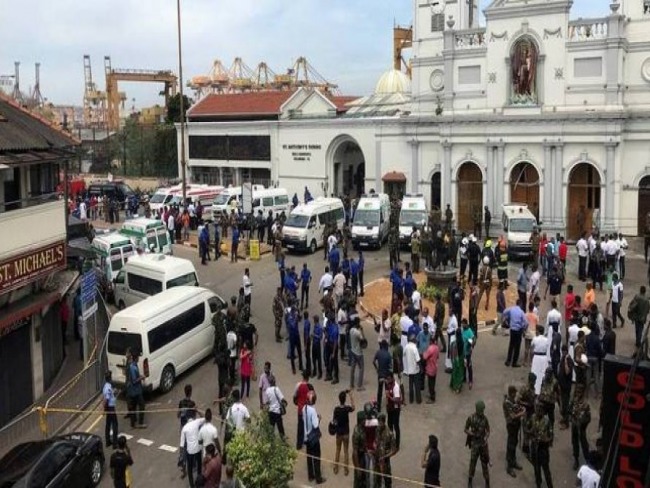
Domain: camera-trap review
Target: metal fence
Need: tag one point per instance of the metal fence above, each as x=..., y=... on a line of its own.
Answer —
x=76, y=395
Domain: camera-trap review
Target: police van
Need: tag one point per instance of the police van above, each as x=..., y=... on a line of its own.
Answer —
x=371, y=221
x=518, y=226
x=414, y=213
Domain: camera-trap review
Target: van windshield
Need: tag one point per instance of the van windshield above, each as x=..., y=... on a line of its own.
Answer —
x=157, y=198
x=521, y=225
x=186, y=280
x=366, y=218
x=296, y=220
x=221, y=199
x=119, y=342
x=413, y=217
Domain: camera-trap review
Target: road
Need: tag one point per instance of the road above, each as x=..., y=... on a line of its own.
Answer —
x=155, y=449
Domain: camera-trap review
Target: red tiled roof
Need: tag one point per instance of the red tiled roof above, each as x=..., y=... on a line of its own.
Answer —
x=254, y=103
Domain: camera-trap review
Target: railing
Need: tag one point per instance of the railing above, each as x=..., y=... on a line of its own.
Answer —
x=587, y=29
x=29, y=202
x=469, y=38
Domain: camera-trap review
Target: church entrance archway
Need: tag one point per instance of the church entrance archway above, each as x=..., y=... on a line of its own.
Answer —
x=584, y=200
x=470, y=195
x=644, y=204
x=524, y=186
x=349, y=168
x=436, y=191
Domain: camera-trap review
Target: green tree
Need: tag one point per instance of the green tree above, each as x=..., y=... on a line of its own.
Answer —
x=174, y=108
x=261, y=459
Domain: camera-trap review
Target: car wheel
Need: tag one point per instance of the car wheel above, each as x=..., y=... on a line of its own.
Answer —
x=96, y=470
x=312, y=246
x=167, y=379
x=121, y=305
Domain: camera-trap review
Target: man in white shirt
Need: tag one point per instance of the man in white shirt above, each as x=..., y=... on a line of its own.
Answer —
x=533, y=283
x=611, y=251
x=617, y=300
x=427, y=319
x=405, y=323
x=274, y=399
x=411, y=358
x=583, y=251
x=384, y=327
x=190, y=442
x=331, y=242
x=312, y=421
x=622, y=246
x=209, y=434
x=588, y=476
x=452, y=325
x=171, y=224
x=554, y=316
x=326, y=280
x=248, y=287
x=416, y=298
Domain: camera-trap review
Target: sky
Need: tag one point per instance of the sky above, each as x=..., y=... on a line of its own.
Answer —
x=349, y=42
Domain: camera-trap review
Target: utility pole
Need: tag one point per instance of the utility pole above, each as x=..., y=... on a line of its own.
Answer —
x=182, y=102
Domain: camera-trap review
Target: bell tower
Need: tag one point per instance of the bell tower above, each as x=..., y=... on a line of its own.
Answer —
x=464, y=12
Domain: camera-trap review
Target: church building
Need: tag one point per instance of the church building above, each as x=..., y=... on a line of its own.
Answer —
x=534, y=107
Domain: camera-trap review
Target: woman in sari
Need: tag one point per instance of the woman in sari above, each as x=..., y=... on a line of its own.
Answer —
x=457, y=360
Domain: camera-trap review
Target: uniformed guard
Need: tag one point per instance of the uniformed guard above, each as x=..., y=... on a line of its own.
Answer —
x=220, y=349
x=541, y=441
x=393, y=246
x=549, y=394
x=580, y=418
x=477, y=429
x=278, y=313
x=359, y=452
x=386, y=449
x=501, y=255
x=513, y=413
x=526, y=398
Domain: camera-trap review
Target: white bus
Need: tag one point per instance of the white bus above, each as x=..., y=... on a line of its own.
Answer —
x=228, y=199
x=150, y=274
x=371, y=221
x=304, y=227
x=171, y=330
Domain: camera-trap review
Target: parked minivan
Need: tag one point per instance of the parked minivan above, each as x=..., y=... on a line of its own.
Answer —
x=304, y=227
x=150, y=274
x=518, y=226
x=229, y=199
x=172, y=331
x=413, y=213
x=150, y=235
x=274, y=199
x=112, y=251
x=371, y=220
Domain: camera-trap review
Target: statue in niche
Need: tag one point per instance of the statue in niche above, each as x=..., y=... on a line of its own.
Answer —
x=524, y=71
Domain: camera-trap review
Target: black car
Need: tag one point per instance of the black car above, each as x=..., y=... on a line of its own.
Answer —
x=116, y=189
x=69, y=461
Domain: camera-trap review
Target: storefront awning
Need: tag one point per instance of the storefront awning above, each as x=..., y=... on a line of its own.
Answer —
x=394, y=177
x=15, y=313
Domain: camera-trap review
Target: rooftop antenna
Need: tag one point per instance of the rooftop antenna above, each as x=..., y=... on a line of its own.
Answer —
x=17, y=95
x=37, y=98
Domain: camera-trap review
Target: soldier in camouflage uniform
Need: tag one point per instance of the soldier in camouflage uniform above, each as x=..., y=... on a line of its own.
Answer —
x=541, y=441
x=549, y=394
x=220, y=349
x=477, y=429
x=393, y=246
x=359, y=452
x=278, y=313
x=580, y=418
x=526, y=399
x=513, y=414
x=386, y=448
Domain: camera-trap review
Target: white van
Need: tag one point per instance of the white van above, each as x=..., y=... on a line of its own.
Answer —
x=518, y=226
x=414, y=213
x=172, y=331
x=228, y=199
x=161, y=198
x=371, y=220
x=274, y=199
x=304, y=227
x=112, y=251
x=150, y=235
x=149, y=274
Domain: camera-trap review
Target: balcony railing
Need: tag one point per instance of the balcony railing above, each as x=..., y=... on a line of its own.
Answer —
x=469, y=39
x=587, y=29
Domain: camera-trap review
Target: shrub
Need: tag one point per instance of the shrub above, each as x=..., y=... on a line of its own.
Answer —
x=429, y=292
x=260, y=458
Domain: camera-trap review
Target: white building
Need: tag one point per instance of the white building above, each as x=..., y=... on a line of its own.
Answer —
x=533, y=107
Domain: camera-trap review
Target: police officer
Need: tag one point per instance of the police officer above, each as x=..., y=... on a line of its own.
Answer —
x=526, y=399
x=359, y=452
x=477, y=429
x=278, y=313
x=386, y=449
x=513, y=413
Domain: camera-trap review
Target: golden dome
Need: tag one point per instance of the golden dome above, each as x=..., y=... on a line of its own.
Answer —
x=393, y=81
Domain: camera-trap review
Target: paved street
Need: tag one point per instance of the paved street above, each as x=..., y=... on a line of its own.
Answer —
x=155, y=449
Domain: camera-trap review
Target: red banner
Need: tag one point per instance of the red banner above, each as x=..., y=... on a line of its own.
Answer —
x=23, y=268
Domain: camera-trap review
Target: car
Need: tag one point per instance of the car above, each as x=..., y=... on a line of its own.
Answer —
x=72, y=461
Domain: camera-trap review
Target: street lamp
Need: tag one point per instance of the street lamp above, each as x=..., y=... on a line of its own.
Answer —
x=182, y=102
